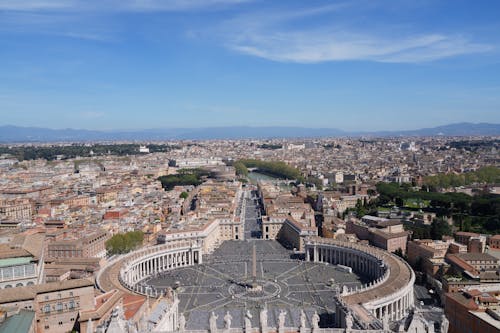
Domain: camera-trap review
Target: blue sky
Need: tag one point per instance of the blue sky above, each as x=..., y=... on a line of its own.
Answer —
x=352, y=65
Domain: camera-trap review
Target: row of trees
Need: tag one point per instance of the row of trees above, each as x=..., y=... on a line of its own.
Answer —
x=124, y=243
x=274, y=168
x=474, y=145
x=436, y=230
x=479, y=213
x=447, y=202
x=183, y=177
x=240, y=168
x=485, y=175
x=270, y=146
x=50, y=153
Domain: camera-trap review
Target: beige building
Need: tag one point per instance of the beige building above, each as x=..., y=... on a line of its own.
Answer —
x=20, y=209
x=22, y=261
x=430, y=254
x=56, y=305
x=91, y=244
x=287, y=218
x=383, y=233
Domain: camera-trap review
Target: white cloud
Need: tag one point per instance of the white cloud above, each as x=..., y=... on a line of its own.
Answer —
x=33, y=5
x=311, y=34
x=322, y=46
x=176, y=5
x=328, y=36
x=113, y=5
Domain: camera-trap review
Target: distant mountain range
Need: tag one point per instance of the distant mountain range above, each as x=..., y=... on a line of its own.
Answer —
x=35, y=134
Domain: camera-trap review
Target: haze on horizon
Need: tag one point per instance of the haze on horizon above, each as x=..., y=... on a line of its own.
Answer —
x=352, y=65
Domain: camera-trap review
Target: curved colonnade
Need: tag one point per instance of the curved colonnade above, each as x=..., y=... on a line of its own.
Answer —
x=389, y=295
x=129, y=270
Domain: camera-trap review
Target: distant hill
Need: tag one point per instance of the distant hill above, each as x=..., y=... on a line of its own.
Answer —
x=459, y=129
x=36, y=134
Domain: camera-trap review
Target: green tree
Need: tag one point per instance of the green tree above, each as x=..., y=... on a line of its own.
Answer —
x=123, y=243
x=360, y=209
x=316, y=181
x=240, y=168
x=275, y=168
x=183, y=177
x=184, y=195
x=440, y=228
x=399, y=253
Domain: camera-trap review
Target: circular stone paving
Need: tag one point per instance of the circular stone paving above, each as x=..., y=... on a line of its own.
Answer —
x=223, y=283
x=264, y=290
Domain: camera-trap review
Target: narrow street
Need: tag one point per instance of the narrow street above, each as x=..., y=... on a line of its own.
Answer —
x=253, y=220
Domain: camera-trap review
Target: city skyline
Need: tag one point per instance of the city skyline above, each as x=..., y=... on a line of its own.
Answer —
x=353, y=65
x=37, y=134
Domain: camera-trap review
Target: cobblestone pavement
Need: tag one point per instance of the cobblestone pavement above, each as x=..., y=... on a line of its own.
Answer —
x=222, y=284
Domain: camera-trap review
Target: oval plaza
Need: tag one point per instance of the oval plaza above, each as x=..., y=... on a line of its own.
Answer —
x=304, y=283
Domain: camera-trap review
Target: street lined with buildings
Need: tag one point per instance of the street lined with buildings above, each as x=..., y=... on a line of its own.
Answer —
x=57, y=219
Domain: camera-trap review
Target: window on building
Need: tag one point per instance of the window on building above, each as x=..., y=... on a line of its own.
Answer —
x=59, y=306
x=7, y=273
x=46, y=308
x=30, y=269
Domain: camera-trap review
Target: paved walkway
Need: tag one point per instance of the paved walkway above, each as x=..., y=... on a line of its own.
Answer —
x=252, y=219
x=294, y=284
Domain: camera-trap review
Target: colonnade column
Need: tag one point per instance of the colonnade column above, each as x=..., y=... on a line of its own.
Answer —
x=400, y=309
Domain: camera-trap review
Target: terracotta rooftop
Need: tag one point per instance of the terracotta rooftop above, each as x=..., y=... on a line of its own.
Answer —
x=465, y=233
x=462, y=299
x=29, y=292
x=104, y=303
x=476, y=257
x=132, y=304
